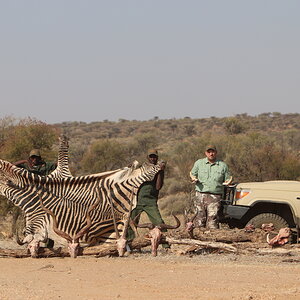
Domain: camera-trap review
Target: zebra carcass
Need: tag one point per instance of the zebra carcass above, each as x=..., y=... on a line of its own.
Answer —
x=70, y=198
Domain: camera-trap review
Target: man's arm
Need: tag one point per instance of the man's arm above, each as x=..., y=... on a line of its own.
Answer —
x=53, y=166
x=49, y=167
x=160, y=176
x=193, y=178
x=194, y=173
x=20, y=162
x=228, y=177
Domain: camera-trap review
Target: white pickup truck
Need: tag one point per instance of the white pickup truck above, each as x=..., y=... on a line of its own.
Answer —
x=258, y=203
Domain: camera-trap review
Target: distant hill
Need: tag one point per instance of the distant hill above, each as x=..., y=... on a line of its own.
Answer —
x=180, y=128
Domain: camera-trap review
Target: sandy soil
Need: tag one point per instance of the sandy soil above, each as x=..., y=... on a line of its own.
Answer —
x=141, y=276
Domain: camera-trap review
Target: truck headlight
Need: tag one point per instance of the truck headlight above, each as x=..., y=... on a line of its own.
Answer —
x=239, y=194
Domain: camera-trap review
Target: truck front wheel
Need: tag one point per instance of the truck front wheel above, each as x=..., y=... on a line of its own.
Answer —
x=267, y=218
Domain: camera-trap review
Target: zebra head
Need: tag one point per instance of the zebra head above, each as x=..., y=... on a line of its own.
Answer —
x=134, y=176
x=146, y=172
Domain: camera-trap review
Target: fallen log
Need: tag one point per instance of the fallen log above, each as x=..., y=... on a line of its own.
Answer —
x=111, y=249
x=273, y=251
x=203, y=244
x=291, y=260
x=107, y=249
x=98, y=251
x=13, y=253
x=43, y=252
x=231, y=236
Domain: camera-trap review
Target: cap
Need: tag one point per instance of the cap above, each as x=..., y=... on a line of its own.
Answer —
x=152, y=151
x=210, y=147
x=35, y=152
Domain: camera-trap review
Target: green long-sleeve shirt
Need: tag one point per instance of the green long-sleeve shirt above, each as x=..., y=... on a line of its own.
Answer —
x=43, y=169
x=210, y=176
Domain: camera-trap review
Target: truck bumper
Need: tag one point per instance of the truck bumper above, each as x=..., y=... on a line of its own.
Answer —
x=235, y=211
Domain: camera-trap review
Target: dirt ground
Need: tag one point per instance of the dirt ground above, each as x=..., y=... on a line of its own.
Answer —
x=272, y=274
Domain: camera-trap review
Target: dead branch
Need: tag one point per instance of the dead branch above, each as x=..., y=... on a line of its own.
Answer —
x=111, y=249
x=13, y=253
x=212, y=245
x=43, y=252
x=99, y=250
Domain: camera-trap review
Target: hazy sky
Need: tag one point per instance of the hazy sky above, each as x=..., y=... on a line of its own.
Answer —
x=71, y=60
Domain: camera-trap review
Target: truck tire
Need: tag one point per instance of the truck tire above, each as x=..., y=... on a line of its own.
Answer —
x=266, y=218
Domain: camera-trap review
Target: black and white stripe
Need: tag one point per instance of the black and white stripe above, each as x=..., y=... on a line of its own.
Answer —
x=70, y=197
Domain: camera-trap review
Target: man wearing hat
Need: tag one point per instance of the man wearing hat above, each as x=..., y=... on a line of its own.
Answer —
x=36, y=164
x=209, y=175
x=148, y=196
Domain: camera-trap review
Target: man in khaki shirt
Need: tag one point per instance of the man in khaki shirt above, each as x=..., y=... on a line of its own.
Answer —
x=209, y=175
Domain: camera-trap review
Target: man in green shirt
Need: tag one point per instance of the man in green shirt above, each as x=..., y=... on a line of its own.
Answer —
x=209, y=175
x=36, y=164
x=148, y=196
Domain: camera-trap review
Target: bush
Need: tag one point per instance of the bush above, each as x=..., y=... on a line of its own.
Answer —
x=173, y=204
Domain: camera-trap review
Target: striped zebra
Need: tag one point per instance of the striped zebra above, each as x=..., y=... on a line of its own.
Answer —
x=33, y=237
x=73, y=242
x=69, y=199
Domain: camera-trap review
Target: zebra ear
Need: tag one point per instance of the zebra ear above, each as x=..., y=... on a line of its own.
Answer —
x=134, y=165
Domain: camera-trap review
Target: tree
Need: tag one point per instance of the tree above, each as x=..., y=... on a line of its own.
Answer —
x=189, y=130
x=27, y=134
x=146, y=141
x=234, y=126
x=258, y=157
x=104, y=155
